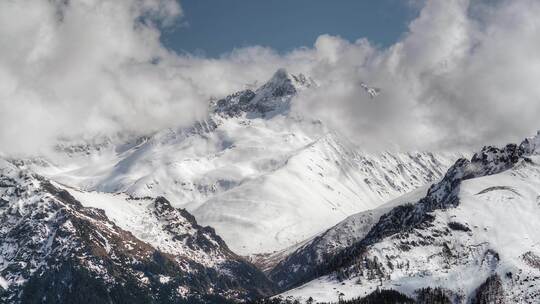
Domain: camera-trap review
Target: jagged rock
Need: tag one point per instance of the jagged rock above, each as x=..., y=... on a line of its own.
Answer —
x=274, y=97
x=433, y=296
x=490, y=292
x=55, y=250
x=458, y=227
x=531, y=259
x=531, y=145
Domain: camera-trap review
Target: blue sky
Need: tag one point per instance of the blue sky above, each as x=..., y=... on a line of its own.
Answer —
x=214, y=27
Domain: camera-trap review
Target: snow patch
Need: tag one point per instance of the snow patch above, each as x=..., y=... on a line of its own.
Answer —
x=4, y=283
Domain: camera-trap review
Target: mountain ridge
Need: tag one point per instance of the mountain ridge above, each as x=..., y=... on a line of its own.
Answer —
x=409, y=232
x=55, y=248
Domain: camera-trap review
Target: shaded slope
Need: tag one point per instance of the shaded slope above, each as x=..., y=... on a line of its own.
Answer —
x=56, y=250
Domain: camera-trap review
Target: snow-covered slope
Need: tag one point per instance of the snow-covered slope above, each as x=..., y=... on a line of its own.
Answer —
x=316, y=251
x=474, y=236
x=59, y=248
x=263, y=177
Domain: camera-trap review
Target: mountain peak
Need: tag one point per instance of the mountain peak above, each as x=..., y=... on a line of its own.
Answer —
x=280, y=73
x=270, y=99
x=284, y=85
x=531, y=145
x=286, y=82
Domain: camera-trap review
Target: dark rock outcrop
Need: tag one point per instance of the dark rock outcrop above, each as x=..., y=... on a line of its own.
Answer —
x=490, y=292
x=57, y=251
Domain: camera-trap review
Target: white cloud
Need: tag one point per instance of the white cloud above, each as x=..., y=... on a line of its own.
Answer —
x=86, y=67
x=465, y=74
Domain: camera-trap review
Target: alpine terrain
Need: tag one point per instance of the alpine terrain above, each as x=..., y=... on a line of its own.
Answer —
x=205, y=214
x=470, y=238
x=263, y=176
x=57, y=247
x=259, y=203
x=269, y=152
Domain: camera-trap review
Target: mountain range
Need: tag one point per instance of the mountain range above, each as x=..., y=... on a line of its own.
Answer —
x=470, y=238
x=263, y=176
x=259, y=201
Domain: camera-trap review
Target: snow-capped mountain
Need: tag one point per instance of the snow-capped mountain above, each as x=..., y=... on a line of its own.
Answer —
x=470, y=238
x=265, y=178
x=272, y=98
x=102, y=220
x=57, y=246
x=116, y=219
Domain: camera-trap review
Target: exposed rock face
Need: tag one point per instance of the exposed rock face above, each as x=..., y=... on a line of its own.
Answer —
x=531, y=145
x=274, y=97
x=490, y=292
x=55, y=250
x=433, y=296
x=532, y=259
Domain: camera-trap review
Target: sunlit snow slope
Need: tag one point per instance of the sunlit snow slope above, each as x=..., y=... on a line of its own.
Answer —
x=474, y=236
x=263, y=177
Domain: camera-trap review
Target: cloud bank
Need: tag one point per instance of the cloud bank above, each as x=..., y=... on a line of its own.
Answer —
x=465, y=74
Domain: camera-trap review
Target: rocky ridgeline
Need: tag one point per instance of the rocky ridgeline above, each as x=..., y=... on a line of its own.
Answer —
x=310, y=261
x=56, y=250
x=272, y=98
